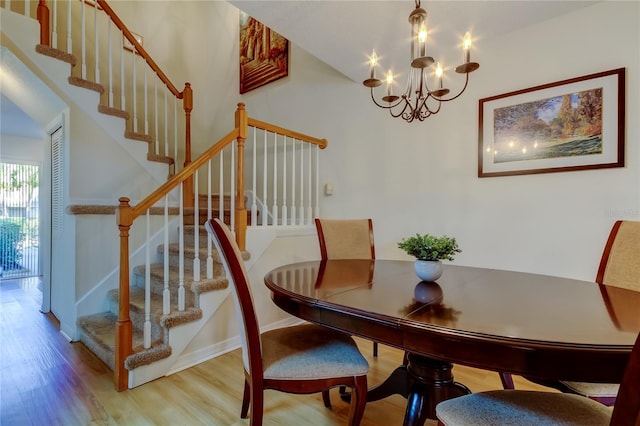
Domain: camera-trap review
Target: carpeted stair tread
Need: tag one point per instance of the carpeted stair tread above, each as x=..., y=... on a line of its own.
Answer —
x=57, y=54
x=157, y=278
x=136, y=303
x=104, y=109
x=97, y=332
x=86, y=84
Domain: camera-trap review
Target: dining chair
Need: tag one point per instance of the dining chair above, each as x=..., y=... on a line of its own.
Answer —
x=346, y=239
x=301, y=359
x=620, y=268
x=519, y=407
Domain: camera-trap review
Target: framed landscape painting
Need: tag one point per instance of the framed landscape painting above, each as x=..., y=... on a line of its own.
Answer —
x=574, y=124
x=264, y=54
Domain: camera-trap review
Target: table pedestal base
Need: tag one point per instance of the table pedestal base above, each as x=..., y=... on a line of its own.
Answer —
x=424, y=382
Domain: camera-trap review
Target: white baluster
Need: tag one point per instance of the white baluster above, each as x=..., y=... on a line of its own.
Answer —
x=166, y=294
x=146, y=102
x=54, y=32
x=147, y=287
x=264, y=217
x=181, y=253
x=69, y=42
x=135, y=90
x=254, y=206
x=96, y=48
x=274, y=213
x=166, y=123
x=285, y=220
x=301, y=210
x=196, y=229
x=221, y=188
x=309, y=220
x=232, y=185
x=293, y=182
x=155, y=109
x=209, y=245
x=123, y=104
x=317, y=150
x=83, y=40
x=175, y=132
x=110, y=59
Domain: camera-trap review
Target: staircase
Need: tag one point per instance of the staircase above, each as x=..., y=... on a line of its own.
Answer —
x=97, y=331
x=148, y=314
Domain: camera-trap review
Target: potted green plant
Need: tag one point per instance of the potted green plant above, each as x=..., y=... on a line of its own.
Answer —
x=429, y=252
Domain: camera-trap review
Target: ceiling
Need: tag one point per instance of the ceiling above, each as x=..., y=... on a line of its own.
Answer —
x=343, y=33
x=340, y=33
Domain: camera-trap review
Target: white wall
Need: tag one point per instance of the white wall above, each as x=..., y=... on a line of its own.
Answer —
x=409, y=178
x=421, y=177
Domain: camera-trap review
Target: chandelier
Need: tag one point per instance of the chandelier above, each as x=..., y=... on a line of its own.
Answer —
x=421, y=97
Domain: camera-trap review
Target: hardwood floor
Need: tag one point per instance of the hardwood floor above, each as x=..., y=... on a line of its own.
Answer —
x=45, y=380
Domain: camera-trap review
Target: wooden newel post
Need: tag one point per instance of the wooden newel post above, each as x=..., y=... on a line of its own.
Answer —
x=242, y=122
x=43, y=19
x=124, y=329
x=187, y=101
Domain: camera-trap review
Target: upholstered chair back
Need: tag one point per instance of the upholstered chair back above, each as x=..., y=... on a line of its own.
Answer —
x=620, y=264
x=346, y=239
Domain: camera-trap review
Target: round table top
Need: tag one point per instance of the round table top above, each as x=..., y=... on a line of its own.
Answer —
x=540, y=325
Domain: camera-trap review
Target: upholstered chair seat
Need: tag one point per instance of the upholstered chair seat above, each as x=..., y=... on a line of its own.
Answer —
x=310, y=352
x=528, y=408
x=511, y=407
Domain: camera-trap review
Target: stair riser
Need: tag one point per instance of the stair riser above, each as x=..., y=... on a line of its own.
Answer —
x=189, y=236
x=174, y=259
x=157, y=286
x=174, y=262
x=137, y=319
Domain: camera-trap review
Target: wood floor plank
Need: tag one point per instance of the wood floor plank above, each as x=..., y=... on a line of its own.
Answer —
x=45, y=380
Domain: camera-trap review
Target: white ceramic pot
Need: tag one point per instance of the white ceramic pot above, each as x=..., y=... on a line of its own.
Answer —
x=428, y=270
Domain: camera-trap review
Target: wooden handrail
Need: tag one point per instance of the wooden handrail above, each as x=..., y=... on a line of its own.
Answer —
x=139, y=49
x=322, y=143
x=183, y=175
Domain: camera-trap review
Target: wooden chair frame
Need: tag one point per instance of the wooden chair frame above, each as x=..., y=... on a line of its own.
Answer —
x=255, y=382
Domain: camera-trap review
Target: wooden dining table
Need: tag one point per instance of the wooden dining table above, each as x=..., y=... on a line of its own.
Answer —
x=539, y=326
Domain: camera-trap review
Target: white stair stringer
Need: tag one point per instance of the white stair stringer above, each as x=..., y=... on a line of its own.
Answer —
x=179, y=337
x=24, y=35
x=258, y=241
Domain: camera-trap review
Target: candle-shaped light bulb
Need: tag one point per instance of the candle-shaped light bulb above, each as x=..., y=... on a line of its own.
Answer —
x=389, y=82
x=422, y=39
x=373, y=61
x=439, y=72
x=466, y=47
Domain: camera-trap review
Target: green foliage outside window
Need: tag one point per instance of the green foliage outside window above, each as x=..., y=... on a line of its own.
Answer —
x=11, y=235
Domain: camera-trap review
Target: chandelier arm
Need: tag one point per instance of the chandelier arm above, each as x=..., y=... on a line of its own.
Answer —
x=428, y=112
x=424, y=104
x=384, y=106
x=403, y=112
x=466, y=83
